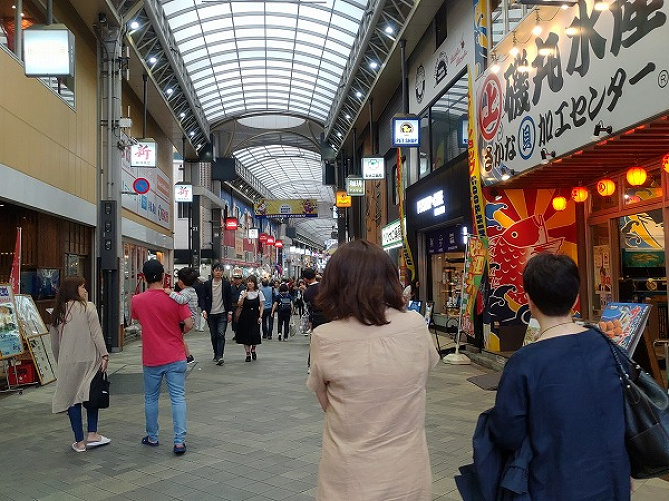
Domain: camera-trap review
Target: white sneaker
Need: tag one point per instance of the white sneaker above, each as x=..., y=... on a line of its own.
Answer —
x=308, y=370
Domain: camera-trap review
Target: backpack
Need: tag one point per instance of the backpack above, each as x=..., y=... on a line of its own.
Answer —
x=285, y=303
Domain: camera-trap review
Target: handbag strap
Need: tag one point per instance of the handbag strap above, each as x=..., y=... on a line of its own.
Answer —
x=616, y=351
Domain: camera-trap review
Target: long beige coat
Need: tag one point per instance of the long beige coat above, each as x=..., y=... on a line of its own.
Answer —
x=374, y=445
x=78, y=349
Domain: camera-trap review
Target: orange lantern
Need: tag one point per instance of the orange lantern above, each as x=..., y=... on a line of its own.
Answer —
x=636, y=176
x=559, y=203
x=606, y=187
x=580, y=194
x=665, y=162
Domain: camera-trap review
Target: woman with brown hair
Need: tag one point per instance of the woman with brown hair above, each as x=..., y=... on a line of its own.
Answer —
x=369, y=369
x=79, y=348
x=251, y=302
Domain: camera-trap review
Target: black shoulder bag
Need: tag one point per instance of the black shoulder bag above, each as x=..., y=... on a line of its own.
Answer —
x=646, y=406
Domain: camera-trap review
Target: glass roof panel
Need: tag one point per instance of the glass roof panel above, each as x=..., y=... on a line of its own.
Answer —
x=249, y=57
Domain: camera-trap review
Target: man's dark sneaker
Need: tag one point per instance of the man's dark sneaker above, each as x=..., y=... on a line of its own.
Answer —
x=190, y=359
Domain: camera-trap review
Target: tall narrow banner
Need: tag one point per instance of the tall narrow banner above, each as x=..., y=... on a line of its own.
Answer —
x=408, y=257
x=15, y=275
x=480, y=36
x=477, y=250
x=478, y=202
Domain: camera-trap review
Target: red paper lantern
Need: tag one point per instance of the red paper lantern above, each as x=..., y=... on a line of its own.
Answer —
x=665, y=162
x=580, y=194
x=606, y=187
x=231, y=223
x=636, y=176
x=270, y=240
x=559, y=203
x=278, y=244
x=262, y=238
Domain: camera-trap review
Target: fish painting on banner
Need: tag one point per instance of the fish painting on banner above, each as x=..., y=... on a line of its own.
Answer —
x=520, y=224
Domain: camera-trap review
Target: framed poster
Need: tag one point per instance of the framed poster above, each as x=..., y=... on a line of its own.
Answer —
x=624, y=323
x=29, y=318
x=11, y=343
x=40, y=349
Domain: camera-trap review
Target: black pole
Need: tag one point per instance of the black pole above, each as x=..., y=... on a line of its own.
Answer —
x=405, y=78
x=145, y=77
x=372, y=139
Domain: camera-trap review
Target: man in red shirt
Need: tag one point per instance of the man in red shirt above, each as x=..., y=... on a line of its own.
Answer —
x=163, y=353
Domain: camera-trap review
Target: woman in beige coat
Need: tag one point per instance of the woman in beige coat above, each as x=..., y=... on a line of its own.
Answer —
x=79, y=348
x=369, y=369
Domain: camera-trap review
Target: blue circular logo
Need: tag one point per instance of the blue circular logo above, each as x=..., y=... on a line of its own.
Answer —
x=527, y=136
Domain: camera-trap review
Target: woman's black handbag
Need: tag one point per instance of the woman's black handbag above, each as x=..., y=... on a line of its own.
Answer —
x=98, y=397
x=646, y=406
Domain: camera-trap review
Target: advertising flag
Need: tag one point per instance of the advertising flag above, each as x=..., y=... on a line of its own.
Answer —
x=477, y=250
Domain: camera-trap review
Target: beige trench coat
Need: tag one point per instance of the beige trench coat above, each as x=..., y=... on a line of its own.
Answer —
x=78, y=349
x=374, y=444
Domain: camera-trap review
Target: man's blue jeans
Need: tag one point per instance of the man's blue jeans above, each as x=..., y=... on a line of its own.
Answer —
x=267, y=322
x=218, y=323
x=175, y=377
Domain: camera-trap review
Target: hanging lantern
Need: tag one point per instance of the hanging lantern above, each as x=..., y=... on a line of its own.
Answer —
x=606, y=187
x=559, y=203
x=278, y=244
x=636, y=176
x=262, y=238
x=270, y=240
x=580, y=194
x=665, y=162
x=231, y=223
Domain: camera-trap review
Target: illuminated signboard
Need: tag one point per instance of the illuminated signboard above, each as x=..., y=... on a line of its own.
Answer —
x=406, y=132
x=48, y=51
x=343, y=200
x=355, y=186
x=143, y=154
x=434, y=201
x=373, y=168
x=183, y=193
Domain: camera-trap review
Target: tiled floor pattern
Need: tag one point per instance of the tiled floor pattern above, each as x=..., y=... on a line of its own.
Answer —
x=254, y=433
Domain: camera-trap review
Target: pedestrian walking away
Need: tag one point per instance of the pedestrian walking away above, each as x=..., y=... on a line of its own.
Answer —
x=163, y=353
x=79, y=349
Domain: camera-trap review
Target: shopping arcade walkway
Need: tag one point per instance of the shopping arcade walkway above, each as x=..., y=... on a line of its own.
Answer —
x=254, y=434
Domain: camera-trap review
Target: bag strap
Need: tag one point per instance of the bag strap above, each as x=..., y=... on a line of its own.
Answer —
x=616, y=351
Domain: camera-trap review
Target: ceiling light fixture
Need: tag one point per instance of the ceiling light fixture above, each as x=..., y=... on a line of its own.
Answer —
x=169, y=91
x=152, y=60
x=358, y=94
x=373, y=65
x=536, y=30
x=134, y=25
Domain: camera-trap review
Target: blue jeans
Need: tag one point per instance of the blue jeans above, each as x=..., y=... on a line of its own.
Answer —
x=267, y=322
x=74, y=413
x=175, y=377
x=218, y=323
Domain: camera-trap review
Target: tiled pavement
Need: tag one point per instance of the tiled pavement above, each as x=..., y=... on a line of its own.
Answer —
x=254, y=433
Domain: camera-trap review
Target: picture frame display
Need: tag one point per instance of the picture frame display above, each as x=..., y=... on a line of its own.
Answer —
x=11, y=342
x=45, y=362
x=29, y=318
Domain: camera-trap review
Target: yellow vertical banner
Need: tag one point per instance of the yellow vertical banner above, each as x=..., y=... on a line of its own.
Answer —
x=408, y=257
x=478, y=203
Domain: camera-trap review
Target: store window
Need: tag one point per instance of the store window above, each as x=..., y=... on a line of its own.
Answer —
x=424, y=149
x=33, y=14
x=449, y=124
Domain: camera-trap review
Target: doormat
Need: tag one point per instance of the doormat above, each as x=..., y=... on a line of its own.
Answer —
x=486, y=381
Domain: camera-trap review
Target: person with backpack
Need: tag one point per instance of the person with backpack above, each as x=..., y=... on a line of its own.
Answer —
x=283, y=304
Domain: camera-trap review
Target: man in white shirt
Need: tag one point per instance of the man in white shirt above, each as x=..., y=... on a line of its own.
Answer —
x=216, y=304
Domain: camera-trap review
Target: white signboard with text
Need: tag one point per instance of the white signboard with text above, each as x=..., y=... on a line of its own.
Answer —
x=585, y=68
x=373, y=168
x=143, y=154
x=155, y=205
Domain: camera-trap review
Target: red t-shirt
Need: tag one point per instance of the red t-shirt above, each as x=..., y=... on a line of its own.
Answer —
x=162, y=339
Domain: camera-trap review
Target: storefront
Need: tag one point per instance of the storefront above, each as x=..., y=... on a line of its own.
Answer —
x=438, y=217
x=51, y=248
x=575, y=164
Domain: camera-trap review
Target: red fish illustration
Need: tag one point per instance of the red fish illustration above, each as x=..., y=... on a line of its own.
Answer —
x=511, y=249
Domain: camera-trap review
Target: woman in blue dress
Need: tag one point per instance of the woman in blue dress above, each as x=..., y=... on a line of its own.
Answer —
x=564, y=395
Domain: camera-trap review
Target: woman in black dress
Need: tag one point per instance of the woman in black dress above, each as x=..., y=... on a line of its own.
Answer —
x=248, y=326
